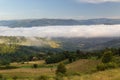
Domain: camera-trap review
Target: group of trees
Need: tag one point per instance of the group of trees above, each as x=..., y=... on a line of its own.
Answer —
x=109, y=60
x=78, y=54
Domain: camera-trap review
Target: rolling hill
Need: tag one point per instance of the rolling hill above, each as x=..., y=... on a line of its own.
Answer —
x=30, y=41
x=89, y=43
x=64, y=43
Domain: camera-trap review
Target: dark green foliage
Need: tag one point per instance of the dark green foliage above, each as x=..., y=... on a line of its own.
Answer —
x=35, y=65
x=15, y=78
x=107, y=57
x=58, y=77
x=4, y=62
x=43, y=77
x=61, y=69
x=101, y=67
x=117, y=60
x=7, y=67
x=104, y=66
x=72, y=57
x=111, y=65
x=55, y=58
x=1, y=76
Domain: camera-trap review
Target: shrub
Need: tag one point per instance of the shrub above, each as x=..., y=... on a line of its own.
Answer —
x=43, y=77
x=61, y=69
x=35, y=65
x=1, y=76
x=15, y=78
x=58, y=78
x=101, y=67
x=111, y=65
x=107, y=57
x=117, y=60
x=77, y=74
x=4, y=62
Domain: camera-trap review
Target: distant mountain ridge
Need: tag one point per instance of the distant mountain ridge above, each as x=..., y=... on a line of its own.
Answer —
x=57, y=22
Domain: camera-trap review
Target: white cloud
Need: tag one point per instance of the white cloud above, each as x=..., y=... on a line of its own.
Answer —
x=64, y=31
x=98, y=1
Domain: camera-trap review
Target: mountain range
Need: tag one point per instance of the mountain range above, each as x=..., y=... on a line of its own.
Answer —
x=57, y=22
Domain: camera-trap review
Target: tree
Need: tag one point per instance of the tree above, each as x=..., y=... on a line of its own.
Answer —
x=107, y=57
x=72, y=57
x=61, y=69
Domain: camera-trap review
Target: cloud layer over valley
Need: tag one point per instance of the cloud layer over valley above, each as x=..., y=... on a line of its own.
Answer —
x=63, y=31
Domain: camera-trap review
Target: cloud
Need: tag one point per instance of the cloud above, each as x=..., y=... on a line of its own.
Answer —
x=98, y=1
x=64, y=31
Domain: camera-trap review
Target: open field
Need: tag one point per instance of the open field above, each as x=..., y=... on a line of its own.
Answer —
x=102, y=75
x=83, y=67
x=27, y=71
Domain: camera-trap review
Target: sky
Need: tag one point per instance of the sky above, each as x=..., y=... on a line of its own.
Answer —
x=68, y=9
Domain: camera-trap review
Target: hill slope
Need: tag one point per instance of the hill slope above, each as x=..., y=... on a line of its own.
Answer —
x=103, y=75
x=83, y=65
x=89, y=43
x=30, y=41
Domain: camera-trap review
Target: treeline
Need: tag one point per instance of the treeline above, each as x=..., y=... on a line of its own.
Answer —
x=78, y=54
x=15, y=53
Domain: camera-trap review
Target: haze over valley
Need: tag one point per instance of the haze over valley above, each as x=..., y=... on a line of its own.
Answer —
x=87, y=31
x=66, y=37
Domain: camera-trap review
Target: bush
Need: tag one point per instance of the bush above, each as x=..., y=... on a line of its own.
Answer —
x=117, y=60
x=58, y=78
x=4, y=62
x=77, y=74
x=107, y=57
x=111, y=65
x=103, y=66
x=1, y=76
x=43, y=77
x=61, y=69
x=15, y=78
x=35, y=65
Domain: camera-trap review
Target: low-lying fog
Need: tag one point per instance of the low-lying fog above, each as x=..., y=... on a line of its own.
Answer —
x=64, y=31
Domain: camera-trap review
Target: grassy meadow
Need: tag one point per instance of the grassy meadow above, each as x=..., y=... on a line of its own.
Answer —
x=83, y=69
